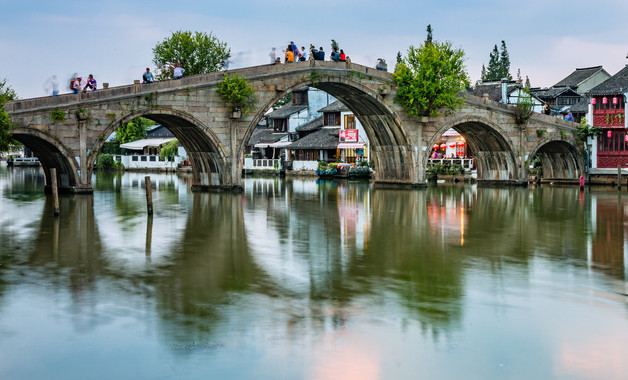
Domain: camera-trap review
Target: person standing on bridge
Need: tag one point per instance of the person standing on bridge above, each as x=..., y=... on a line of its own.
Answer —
x=178, y=71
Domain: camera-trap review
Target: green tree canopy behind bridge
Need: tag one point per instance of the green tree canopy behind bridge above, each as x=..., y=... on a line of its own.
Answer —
x=197, y=52
x=431, y=77
x=133, y=130
x=6, y=94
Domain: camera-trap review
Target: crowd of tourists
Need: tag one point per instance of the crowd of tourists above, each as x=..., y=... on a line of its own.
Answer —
x=293, y=54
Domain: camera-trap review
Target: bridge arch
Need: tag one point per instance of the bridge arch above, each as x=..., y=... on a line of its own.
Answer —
x=51, y=154
x=204, y=149
x=390, y=144
x=492, y=148
x=560, y=160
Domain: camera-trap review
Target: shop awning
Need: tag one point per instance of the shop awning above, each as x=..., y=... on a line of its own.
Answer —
x=140, y=144
x=261, y=145
x=279, y=144
x=350, y=145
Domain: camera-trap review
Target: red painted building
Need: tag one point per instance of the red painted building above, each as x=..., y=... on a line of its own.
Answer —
x=608, y=111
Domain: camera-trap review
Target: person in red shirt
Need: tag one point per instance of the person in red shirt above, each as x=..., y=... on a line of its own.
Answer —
x=343, y=57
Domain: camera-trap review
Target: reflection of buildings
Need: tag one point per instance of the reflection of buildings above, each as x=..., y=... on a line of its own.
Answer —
x=609, y=217
x=355, y=215
x=447, y=217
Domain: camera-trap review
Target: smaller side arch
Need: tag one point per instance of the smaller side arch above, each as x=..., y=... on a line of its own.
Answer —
x=560, y=160
x=52, y=154
x=492, y=148
x=204, y=148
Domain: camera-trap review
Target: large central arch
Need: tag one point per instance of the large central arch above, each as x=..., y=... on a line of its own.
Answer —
x=203, y=147
x=390, y=145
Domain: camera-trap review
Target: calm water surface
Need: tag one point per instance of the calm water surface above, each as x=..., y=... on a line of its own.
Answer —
x=298, y=279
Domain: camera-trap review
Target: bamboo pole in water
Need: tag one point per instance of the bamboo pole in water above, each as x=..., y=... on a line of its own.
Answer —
x=149, y=196
x=55, y=193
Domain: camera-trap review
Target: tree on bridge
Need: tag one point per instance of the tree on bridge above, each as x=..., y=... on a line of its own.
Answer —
x=6, y=94
x=431, y=77
x=197, y=52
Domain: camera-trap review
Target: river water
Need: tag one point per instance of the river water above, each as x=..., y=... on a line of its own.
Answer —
x=299, y=279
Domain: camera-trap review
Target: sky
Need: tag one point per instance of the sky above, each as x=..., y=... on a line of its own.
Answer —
x=113, y=39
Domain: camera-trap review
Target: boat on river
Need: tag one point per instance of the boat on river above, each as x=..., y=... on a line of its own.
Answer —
x=23, y=161
x=344, y=171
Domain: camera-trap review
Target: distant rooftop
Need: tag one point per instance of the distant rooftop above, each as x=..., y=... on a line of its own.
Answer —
x=578, y=76
x=616, y=84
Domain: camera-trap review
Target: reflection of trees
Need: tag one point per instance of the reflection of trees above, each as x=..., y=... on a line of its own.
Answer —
x=70, y=241
x=427, y=277
x=210, y=261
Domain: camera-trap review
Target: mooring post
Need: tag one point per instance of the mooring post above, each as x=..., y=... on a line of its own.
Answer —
x=55, y=193
x=618, y=177
x=149, y=195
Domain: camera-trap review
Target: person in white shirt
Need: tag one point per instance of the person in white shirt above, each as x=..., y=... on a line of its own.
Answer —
x=178, y=71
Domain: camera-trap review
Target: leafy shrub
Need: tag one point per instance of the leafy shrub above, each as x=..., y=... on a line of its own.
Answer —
x=107, y=162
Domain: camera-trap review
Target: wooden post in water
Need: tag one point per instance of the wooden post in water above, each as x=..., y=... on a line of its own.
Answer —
x=149, y=195
x=618, y=177
x=55, y=193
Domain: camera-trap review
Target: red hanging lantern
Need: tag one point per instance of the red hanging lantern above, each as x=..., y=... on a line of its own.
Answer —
x=614, y=100
x=461, y=143
x=593, y=101
x=436, y=146
x=609, y=134
x=443, y=146
x=452, y=145
x=604, y=100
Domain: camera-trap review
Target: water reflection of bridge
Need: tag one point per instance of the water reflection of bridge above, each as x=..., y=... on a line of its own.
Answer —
x=320, y=243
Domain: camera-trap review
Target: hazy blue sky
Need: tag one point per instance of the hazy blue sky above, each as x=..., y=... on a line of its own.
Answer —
x=114, y=39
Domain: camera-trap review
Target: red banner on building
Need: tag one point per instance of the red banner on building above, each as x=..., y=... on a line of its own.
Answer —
x=349, y=135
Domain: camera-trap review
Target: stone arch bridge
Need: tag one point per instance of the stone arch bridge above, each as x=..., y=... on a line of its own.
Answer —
x=191, y=109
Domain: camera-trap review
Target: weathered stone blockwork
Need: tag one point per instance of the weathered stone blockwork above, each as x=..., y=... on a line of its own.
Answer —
x=192, y=110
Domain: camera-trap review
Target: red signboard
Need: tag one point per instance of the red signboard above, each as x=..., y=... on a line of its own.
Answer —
x=349, y=135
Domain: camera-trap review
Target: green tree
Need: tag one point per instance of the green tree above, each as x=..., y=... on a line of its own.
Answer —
x=431, y=77
x=428, y=40
x=169, y=150
x=6, y=135
x=133, y=130
x=493, y=69
x=334, y=45
x=504, y=62
x=197, y=52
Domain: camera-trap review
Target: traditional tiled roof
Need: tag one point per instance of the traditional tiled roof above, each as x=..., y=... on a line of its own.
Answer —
x=324, y=138
x=311, y=126
x=553, y=92
x=159, y=131
x=265, y=135
x=493, y=89
x=580, y=75
x=581, y=107
x=285, y=111
x=336, y=106
x=616, y=84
